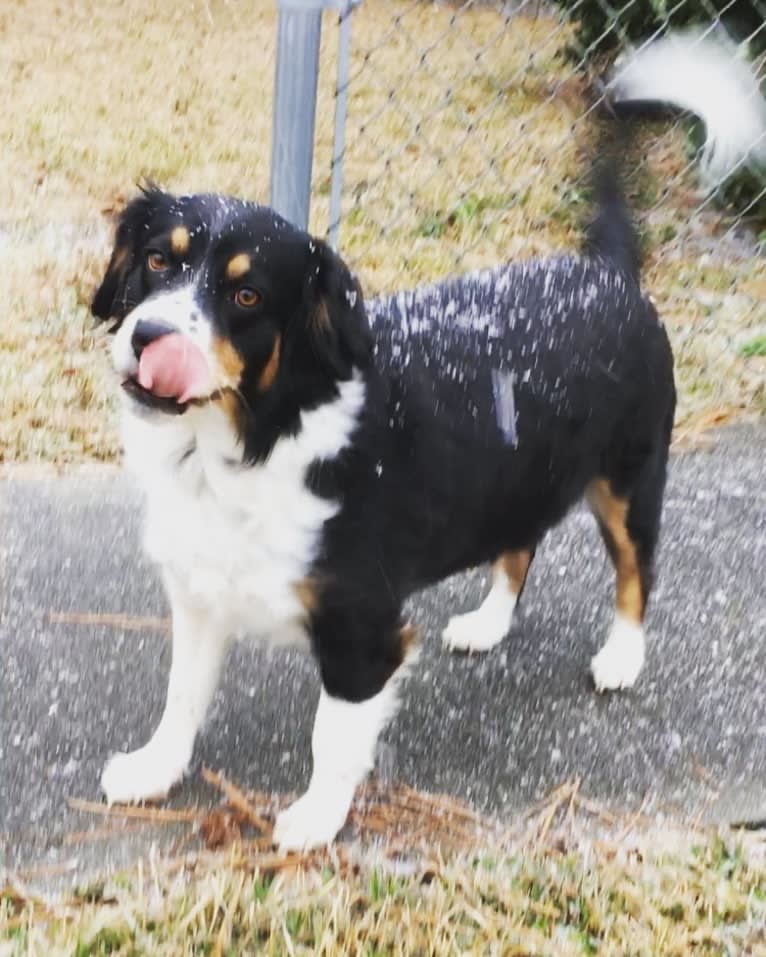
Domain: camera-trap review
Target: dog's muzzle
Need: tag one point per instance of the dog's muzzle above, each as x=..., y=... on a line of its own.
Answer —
x=147, y=331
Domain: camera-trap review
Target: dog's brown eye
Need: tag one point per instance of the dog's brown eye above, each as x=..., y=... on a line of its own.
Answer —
x=246, y=297
x=156, y=261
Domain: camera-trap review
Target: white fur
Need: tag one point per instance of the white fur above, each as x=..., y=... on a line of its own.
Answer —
x=485, y=627
x=620, y=661
x=198, y=651
x=343, y=748
x=233, y=542
x=703, y=72
x=239, y=538
x=175, y=308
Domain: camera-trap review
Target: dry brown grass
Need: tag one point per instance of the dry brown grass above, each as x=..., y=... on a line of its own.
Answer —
x=569, y=878
x=98, y=95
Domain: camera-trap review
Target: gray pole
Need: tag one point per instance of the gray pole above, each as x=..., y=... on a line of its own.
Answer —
x=295, y=92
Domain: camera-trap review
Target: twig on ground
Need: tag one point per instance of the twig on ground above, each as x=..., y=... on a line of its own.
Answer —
x=548, y=816
x=105, y=833
x=592, y=807
x=572, y=798
x=633, y=820
x=237, y=799
x=123, y=622
x=143, y=813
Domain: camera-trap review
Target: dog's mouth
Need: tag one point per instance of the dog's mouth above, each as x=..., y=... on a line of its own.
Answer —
x=164, y=403
x=172, y=374
x=150, y=400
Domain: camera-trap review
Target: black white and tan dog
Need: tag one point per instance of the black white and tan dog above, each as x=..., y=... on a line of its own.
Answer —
x=309, y=460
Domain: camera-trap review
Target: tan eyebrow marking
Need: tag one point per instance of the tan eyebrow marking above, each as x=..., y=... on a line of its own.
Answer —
x=237, y=266
x=179, y=240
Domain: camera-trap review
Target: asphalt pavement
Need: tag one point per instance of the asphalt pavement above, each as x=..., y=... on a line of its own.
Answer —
x=498, y=730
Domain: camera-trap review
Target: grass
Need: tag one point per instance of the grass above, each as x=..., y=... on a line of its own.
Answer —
x=556, y=884
x=755, y=347
x=465, y=146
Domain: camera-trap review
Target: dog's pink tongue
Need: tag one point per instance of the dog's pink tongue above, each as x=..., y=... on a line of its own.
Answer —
x=173, y=367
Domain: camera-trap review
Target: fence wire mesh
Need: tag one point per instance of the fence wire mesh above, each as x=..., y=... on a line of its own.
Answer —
x=468, y=142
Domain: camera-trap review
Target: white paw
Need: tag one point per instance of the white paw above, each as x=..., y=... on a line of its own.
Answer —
x=620, y=661
x=474, y=631
x=309, y=822
x=144, y=775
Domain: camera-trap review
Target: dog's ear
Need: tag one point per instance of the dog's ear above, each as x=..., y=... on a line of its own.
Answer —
x=338, y=328
x=109, y=300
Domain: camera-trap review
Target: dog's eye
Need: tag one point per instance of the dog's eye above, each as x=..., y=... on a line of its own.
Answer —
x=156, y=261
x=246, y=297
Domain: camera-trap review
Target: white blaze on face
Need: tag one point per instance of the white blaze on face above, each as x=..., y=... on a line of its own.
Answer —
x=177, y=308
x=192, y=364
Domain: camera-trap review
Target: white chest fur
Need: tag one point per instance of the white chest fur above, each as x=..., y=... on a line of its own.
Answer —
x=237, y=539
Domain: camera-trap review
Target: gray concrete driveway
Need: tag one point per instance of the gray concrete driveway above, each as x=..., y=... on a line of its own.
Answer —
x=498, y=730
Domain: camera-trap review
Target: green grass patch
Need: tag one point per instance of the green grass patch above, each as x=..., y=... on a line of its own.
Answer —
x=755, y=347
x=467, y=213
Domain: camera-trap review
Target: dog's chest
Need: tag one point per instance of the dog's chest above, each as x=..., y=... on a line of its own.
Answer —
x=244, y=557
x=238, y=541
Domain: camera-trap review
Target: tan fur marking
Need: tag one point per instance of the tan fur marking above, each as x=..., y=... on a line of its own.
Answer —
x=237, y=266
x=320, y=318
x=307, y=592
x=230, y=364
x=612, y=513
x=179, y=240
x=409, y=638
x=228, y=400
x=516, y=565
x=269, y=374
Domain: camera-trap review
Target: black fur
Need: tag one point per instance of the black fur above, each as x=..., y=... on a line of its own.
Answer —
x=114, y=297
x=307, y=294
x=432, y=486
x=430, y=483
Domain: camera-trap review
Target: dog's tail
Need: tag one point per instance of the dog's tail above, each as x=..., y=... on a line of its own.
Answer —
x=611, y=234
x=701, y=71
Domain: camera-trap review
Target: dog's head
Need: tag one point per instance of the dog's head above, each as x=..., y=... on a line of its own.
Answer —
x=218, y=300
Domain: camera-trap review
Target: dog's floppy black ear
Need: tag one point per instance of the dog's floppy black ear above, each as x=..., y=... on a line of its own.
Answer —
x=338, y=326
x=109, y=300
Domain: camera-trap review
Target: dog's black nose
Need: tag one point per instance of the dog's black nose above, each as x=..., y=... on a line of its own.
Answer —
x=147, y=331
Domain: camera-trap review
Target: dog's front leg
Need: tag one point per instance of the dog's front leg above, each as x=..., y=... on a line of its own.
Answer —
x=343, y=749
x=199, y=645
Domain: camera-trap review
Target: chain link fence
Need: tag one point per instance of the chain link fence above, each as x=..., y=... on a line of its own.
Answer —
x=446, y=136
x=468, y=141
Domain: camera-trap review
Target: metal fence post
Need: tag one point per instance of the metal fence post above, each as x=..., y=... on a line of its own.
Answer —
x=295, y=92
x=295, y=89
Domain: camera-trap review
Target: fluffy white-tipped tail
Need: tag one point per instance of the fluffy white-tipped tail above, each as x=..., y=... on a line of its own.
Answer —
x=701, y=71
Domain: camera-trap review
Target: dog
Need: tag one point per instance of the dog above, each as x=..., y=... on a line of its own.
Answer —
x=309, y=460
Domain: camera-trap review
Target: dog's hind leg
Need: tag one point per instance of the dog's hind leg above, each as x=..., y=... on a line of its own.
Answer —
x=485, y=627
x=629, y=525
x=199, y=646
